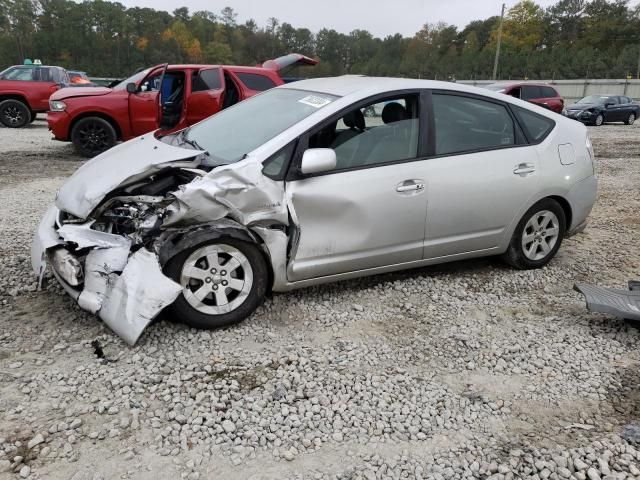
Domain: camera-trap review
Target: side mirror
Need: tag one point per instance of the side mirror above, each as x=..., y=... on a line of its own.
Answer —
x=131, y=88
x=316, y=160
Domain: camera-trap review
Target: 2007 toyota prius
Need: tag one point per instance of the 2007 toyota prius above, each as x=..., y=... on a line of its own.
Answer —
x=297, y=186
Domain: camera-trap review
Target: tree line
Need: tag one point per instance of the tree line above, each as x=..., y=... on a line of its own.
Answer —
x=570, y=39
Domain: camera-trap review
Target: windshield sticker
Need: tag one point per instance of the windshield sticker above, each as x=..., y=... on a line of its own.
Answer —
x=315, y=101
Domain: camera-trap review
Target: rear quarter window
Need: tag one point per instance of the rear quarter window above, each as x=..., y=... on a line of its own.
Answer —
x=537, y=127
x=256, y=81
x=548, y=92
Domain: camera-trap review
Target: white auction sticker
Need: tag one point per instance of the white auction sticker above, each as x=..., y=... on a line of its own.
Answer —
x=315, y=101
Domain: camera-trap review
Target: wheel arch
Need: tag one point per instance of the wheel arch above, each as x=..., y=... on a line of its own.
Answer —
x=15, y=96
x=176, y=240
x=101, y=115
x=566, y=208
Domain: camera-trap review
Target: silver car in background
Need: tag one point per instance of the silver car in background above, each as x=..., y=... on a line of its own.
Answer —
x=298, y=186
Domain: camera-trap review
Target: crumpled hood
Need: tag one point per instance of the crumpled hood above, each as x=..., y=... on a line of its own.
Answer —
x=79, y=92
x=122, y=164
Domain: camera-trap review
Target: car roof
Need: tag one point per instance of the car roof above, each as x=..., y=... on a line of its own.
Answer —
x=198, y=66
x=351, y=84
x=513, y=84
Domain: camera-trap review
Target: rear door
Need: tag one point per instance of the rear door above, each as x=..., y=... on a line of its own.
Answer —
x=612, y=109
x=205, y=98
x=482, y=175
x=144, y=105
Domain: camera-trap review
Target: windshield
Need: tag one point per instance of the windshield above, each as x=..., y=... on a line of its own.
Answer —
x=135, y=78
x=229, y=135
x=597, y=99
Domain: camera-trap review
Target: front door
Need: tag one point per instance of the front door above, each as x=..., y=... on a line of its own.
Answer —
x=481, y=176
x=369, y=211
x=144, y=104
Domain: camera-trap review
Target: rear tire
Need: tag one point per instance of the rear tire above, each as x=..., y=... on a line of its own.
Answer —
x=223, y=282
x=14, y=113
x=631, y=119
x=537, y=237
x=92, y=136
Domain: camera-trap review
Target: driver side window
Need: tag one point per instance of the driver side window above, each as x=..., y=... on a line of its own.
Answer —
x=379, y=132
x=151, y=83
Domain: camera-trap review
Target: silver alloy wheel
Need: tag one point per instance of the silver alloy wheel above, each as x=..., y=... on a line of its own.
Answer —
x=216, y=279
x=599, y=120
x=632, y=118
x=540, y=235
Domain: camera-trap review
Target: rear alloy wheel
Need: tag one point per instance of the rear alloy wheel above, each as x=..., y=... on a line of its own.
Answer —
x=92, y=136
x=599, y=120
x=223, y=282
x=631, y=119
x=14, y=113
x=538, y=236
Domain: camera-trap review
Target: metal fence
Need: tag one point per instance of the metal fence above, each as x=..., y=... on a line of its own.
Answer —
x=573, y=90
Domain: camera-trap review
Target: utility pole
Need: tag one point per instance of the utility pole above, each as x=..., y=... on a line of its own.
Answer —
x=638, y=70
x=495, y=63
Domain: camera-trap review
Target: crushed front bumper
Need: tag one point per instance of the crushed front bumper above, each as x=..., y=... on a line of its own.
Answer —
x=126, y=290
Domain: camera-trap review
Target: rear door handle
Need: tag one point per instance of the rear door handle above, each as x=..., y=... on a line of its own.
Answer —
x=410, y=186
x=524, y=169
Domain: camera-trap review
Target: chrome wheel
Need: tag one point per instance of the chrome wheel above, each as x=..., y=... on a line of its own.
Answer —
x=599, y=120
x=216, y=279
x=540, y=235
x=632, y=118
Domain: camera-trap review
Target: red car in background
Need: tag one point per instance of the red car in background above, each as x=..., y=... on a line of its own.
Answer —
x=25, y=92
x=170, y=97
x=539, y=93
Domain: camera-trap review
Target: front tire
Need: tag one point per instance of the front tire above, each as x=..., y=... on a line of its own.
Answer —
x=14, y=113
x=631, y=119
x=92, y=136
x=537, y=237
x=223, y=282
x=599, y=120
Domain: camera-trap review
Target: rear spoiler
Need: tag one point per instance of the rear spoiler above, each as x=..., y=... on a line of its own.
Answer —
x=285, y=61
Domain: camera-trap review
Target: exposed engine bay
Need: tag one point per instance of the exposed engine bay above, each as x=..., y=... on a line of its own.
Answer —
x=108, y=246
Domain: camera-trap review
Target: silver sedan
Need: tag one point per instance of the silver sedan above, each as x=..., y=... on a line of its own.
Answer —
x=300, y=186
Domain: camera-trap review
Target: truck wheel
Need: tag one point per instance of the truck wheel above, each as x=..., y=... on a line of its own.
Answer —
x=14, y=113
x=92, y=136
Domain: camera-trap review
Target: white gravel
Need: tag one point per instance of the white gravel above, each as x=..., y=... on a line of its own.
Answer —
x=469, y=370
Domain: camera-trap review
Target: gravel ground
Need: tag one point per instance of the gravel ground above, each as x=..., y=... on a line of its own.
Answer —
x=469, y=370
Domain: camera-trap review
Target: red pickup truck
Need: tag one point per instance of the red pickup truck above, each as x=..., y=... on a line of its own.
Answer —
x=25, y=91
x=169, y=97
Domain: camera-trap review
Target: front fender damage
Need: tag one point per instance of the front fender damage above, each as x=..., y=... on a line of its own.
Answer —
x=123, y=282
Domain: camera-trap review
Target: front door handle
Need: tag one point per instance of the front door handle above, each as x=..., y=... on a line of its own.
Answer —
x=410, y=186
x=524, y=169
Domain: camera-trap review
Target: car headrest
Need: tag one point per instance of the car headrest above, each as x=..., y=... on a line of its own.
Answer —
x=354, y=119
x=394, y=112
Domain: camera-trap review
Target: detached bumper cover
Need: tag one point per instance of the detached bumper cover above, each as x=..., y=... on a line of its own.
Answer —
x=621, y=303
x=126, y=291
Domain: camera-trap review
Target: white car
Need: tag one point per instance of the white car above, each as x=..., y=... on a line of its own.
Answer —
x=296, y=187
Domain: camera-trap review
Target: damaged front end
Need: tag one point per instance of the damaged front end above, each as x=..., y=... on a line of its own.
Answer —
x=111, y=232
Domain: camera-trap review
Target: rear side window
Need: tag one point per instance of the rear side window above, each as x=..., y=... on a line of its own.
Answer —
x=536, y=126
x=255, y=81
x=548, y=92
x=206, y=80
x=466, y=124
x=529, y=92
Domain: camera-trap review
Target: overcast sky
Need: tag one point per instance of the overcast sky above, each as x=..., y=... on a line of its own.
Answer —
x=380, y=17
